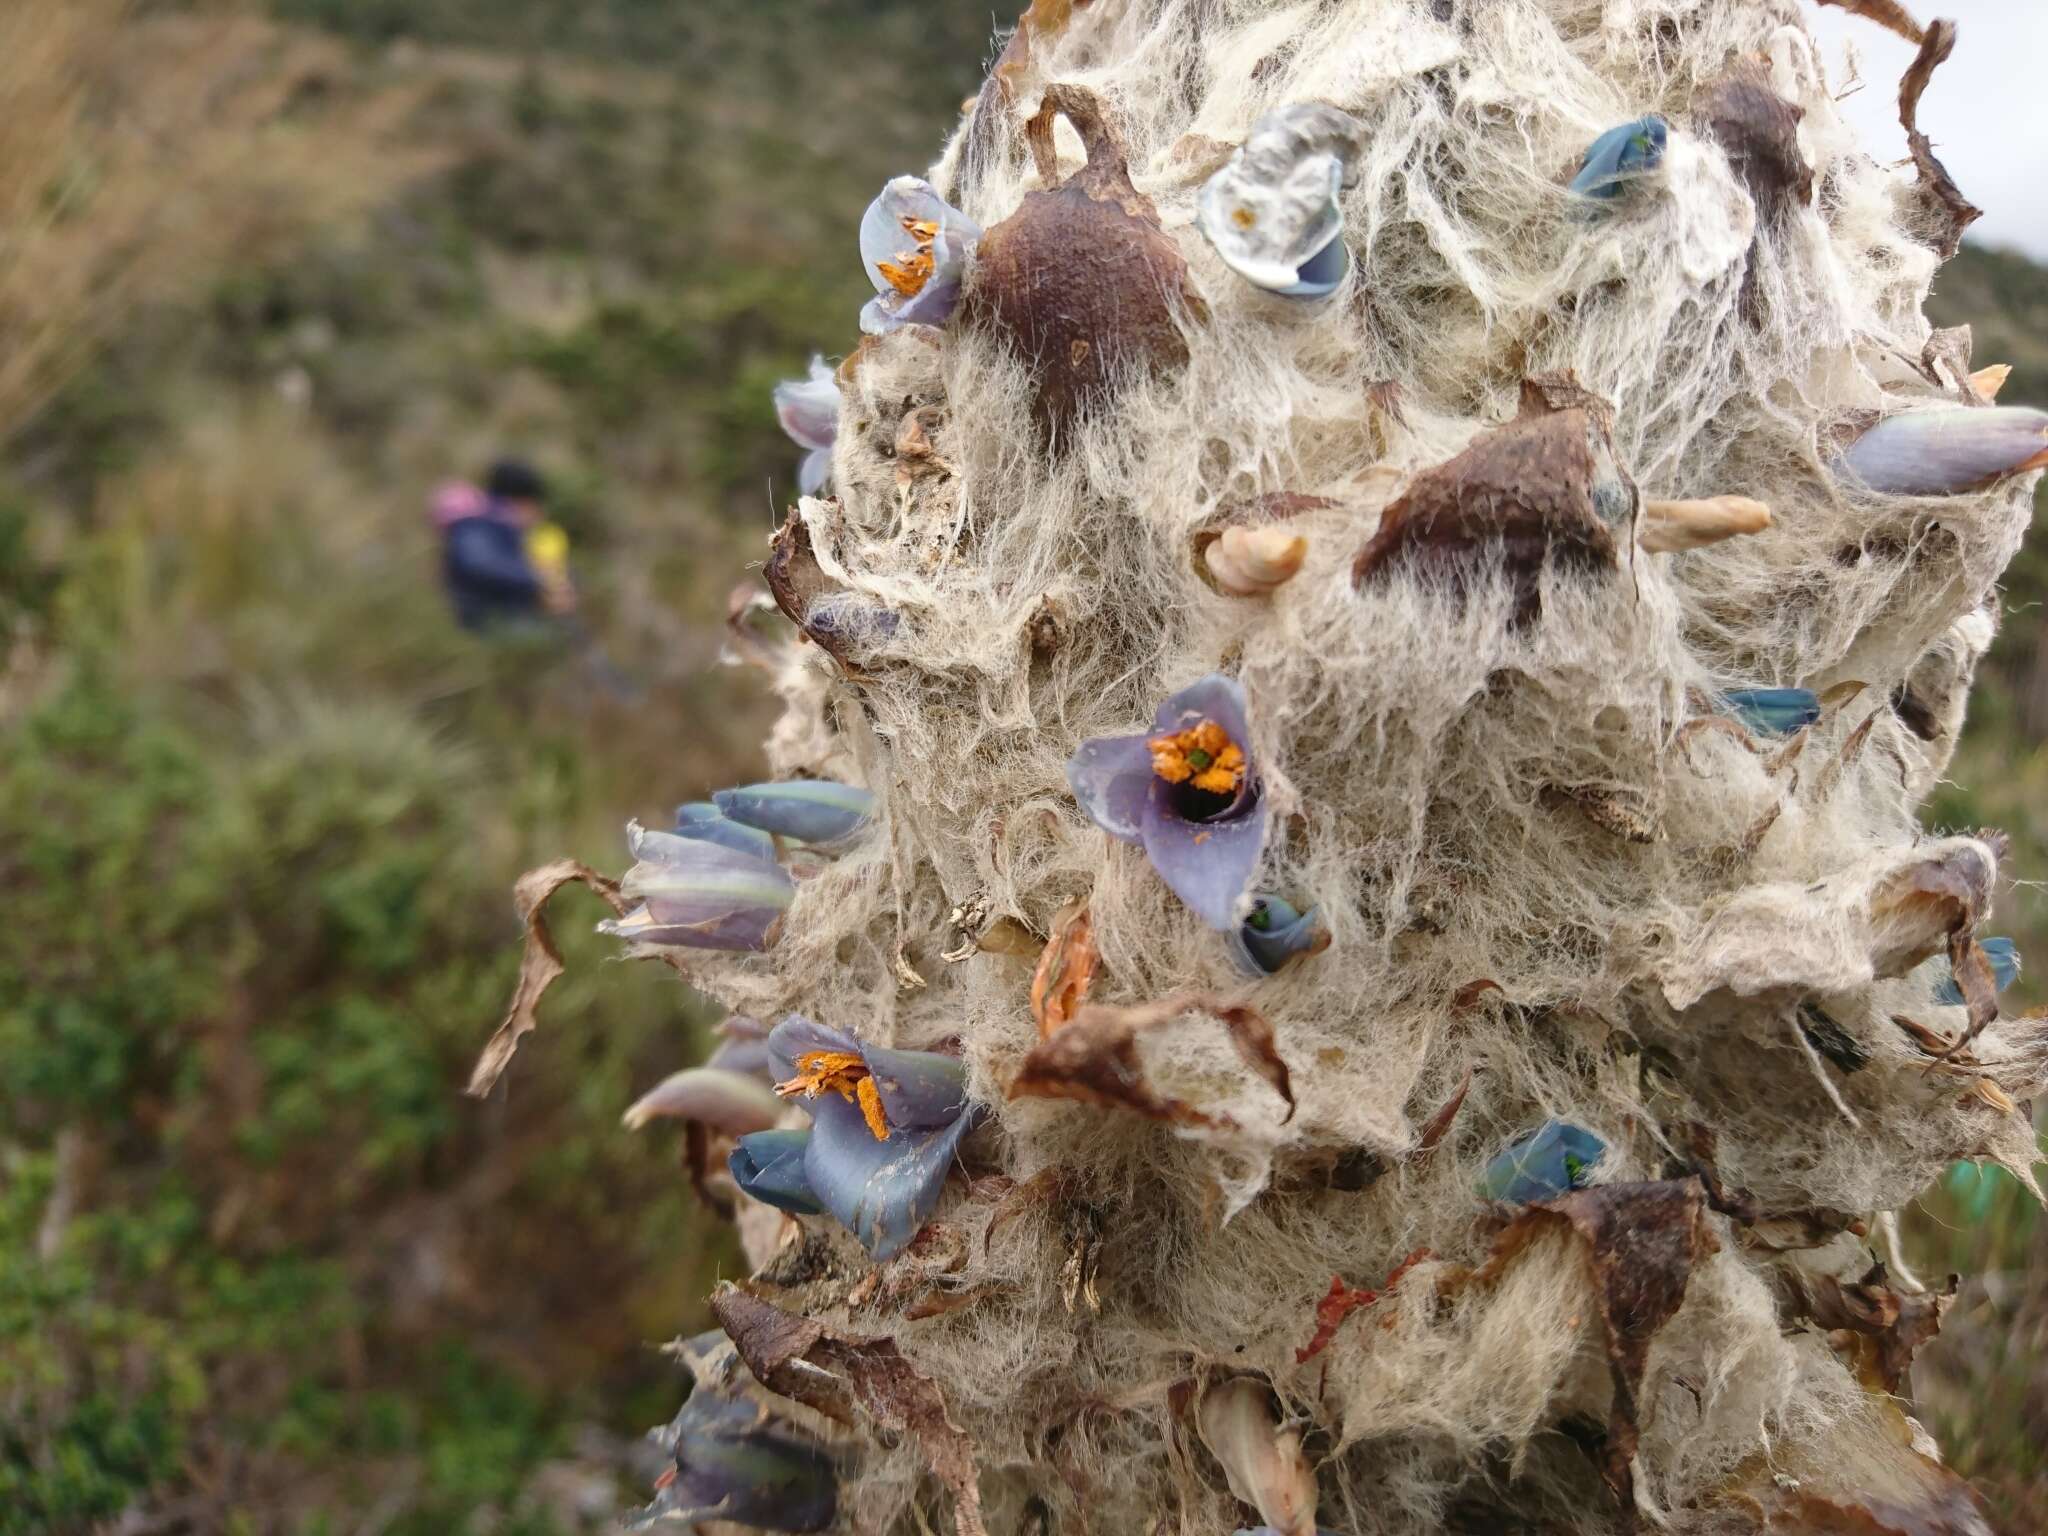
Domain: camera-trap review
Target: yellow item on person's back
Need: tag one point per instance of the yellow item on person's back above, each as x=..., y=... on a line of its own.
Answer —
x=547, y=550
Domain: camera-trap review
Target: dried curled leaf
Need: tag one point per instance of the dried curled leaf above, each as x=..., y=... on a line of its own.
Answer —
x=1094, y=1059
x=540, y=965
x=1342, y=1301
x=1066, y=969
x=1886, y=13
x=1948, y=212
x=829, y=1371
x=1888, y=1327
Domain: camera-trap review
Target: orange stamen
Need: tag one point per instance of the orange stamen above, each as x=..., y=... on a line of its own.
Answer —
x=1203, y=755
x=909, y=277
x=911, y=270
x=843, y=1073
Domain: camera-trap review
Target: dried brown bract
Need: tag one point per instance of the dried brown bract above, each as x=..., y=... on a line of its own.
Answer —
x=1541, y=488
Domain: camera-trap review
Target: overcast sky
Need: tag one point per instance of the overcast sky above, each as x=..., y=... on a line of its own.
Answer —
x=1985, y=111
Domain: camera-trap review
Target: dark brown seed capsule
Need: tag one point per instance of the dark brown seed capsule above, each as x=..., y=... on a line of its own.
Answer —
x=1543, y=486
x=1759, y=131
x=1080, y=282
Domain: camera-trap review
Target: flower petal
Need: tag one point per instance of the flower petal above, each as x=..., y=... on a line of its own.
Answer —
x=1208, y=864
x=809, y=408
x=1772, y=711
x=733, y=1464
x=1620, y=156
x=1215, y=697
x=705, y=822
x=742, y=1046
x=1272, y=213
x=1275, y=933
x=1947, y=450
x=1549, y=1162
x=813, y=472
x=1112, y=778
x=883, y=238
x=726, y=1101
x=921, y=1090
x=883, y=1192
x=699, y=895
x=803, y=810
x=769, y=1167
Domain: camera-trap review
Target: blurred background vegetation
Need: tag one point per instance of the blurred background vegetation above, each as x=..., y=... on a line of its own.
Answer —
x=266, y=276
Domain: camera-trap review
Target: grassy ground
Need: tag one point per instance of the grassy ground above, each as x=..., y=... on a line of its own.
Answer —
x=262, y=1269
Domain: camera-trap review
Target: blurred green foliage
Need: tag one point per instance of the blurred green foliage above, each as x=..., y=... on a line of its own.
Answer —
x=263, y=1268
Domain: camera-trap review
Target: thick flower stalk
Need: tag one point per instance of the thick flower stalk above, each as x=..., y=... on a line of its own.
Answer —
x=1338, y=914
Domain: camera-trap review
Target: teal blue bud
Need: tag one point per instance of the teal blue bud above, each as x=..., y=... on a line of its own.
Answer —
x=802, y=810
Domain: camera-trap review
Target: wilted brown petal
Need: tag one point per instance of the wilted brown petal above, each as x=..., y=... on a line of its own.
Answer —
x=1759, y=131
x=1535, y=488
x=1439, y=1124
x=1094, y=1059
x=1889, y=1326
x=1066, y=969
x=1975, y=979
x=1342, y=1301
x=540, y=965
x=825, y=1370
x=1642, y=1242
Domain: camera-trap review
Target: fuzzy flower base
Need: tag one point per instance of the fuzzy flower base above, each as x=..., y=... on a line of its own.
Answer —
x=1485, y=718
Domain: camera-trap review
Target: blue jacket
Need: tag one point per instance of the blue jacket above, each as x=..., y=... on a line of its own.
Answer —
x=484, y=563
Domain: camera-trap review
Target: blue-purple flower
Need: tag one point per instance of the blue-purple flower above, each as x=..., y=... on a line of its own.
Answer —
x=699, y=895
x=1549, y=1162
x=915, y=247
x=802, y=810
x=1947, y=450
x=1621, y=156
x=1274, y=932
x=809, y=412
x=703, y=820
x=885, y=1126
x=734, y=1463
x=1187, y=792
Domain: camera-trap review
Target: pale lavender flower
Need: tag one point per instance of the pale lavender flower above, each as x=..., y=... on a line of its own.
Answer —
x=915, y=247
x=699, y=895
x=809, y=412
